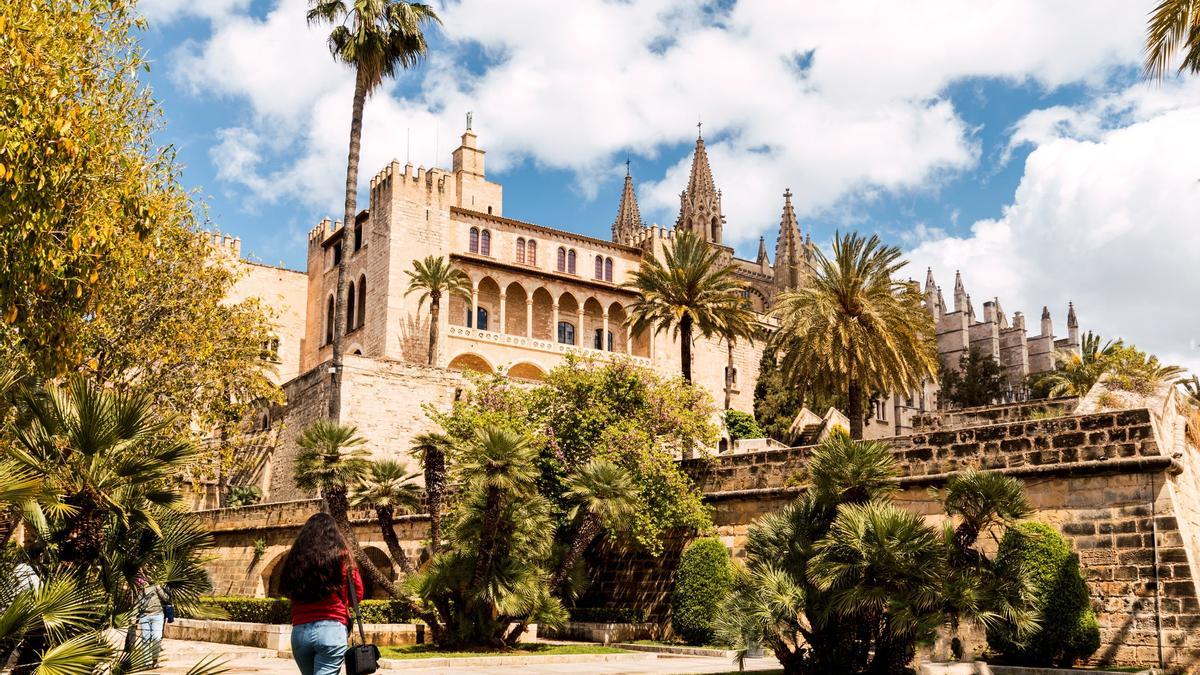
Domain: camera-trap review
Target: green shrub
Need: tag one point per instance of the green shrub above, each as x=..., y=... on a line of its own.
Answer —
x=279, y=610
x=1068, y=630
x=608, y=614
x=702, y=581
x=742, y=425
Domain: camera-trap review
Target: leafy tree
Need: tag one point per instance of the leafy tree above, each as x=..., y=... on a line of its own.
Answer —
x=493, y=571
x=1173, y=30
x=691, y=291
x=614, y=411
x=854, y=329
x=843, y=581
x=1068, y=630
x=741, y=425
x=377, y=38
x=702, y=580
x=1129, y=368
x=430, y=449
x=776, y=402
x=979, y=380
x=388, y=487
x=433, y=278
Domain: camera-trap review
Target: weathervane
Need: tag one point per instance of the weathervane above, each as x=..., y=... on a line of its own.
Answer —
x=626, y=166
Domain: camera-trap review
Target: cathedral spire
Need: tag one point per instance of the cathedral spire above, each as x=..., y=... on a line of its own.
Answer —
x=627, y=228
x=961, y=301
x=789, y=248
x=700, y=203
x=762, y=258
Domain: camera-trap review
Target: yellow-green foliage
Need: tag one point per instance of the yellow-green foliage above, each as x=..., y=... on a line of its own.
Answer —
x=1068, y=630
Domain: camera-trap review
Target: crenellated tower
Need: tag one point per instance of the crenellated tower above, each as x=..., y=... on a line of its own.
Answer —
x=700, y=203
x=627, y=229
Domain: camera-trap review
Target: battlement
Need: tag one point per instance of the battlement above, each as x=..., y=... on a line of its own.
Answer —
x=231, y=246
x=433, y=187
x=323, y=231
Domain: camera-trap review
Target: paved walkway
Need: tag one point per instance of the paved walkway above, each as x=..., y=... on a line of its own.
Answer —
x=179, y=655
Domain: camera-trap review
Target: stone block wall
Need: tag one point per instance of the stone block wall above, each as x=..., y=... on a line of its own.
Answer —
x=1013, y=412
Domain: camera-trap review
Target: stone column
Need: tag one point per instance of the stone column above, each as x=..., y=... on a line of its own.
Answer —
x=475, y=307
x=503, y=314
x=579, y=329
x=529, y=317
x=604, y=336
x=554, y=322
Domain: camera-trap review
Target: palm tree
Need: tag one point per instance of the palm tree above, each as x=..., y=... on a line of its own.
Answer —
x=388, y=487
x=1173, y=28
x=431, y=451
x=855, y=328
x=603, y=495
x=500, y=463
x=105, y=455
x=690, y=291
x=432, y=278
x=331, y=461
x=377, y=38
x=983, y=500
x=1075, y=374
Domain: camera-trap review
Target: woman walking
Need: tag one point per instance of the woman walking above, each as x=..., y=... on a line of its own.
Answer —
x=151, y=603
x=315, y=577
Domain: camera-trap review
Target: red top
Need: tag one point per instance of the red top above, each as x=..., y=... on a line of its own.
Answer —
x=336, y=607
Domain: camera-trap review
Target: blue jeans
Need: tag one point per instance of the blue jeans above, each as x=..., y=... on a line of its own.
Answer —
x=319, y=647
x=151, y=626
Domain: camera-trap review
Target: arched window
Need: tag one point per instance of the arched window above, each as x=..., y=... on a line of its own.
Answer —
x=531, y=252
x=562, y=259
x=473, y=246
x=358, y=236
x=571, y=261
x=566, y=333
x=362, y=301
x=731, y=375
x=329, y=320
x=599, y=267
x=485, y=242
x=599, y=341
x=351, y=304
x=716, y=229
x=481, y=319
x=608, y=269
x=520, y=250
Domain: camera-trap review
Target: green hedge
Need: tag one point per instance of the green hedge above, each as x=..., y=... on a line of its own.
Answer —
x=608, y=614
x=702, y=580
x=1068, y=630
x=279, y=610
x=742, y=425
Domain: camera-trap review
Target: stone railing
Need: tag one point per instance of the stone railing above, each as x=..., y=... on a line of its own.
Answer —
x=1013, y=412
x=552, y=347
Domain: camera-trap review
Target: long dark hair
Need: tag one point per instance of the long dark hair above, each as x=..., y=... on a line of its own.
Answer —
x=315, y=567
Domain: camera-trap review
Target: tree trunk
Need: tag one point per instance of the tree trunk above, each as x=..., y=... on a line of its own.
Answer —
x=589, y=529
x=685, y=345
x=387, y=527
x=491, y=514
x=729, y=374
x=9, y=520
x=339, y=298
x=435, y=488
x=854, y=409
x=435, y=310
x=339, y=508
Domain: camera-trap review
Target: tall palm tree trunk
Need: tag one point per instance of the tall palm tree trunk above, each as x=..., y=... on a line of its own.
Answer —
x=339, y=300
x=854, y=409
x=435, y=310
x=435, y=488
x=339, y=509
x=729, y=374
x=685, y=345
x=589, y=529
x=387, y=527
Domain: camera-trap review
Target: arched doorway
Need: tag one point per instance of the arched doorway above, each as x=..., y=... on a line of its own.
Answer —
x=371, y=590
x=472, y=362
x=270, y=576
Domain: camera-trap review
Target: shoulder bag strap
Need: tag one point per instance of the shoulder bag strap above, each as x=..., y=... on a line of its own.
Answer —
x=355, y=617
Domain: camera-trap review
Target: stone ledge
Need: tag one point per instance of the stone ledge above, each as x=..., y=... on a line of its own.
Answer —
x=488, y=661
x=678, y=650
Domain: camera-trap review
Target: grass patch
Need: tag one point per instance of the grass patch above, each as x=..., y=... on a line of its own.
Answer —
x=660, y=643
x=434, y=652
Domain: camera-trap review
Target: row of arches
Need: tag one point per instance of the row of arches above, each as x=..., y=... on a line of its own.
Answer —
x=540, y=314
x=356, y=308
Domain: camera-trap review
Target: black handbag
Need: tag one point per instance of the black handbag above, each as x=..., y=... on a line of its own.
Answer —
x=363, y=658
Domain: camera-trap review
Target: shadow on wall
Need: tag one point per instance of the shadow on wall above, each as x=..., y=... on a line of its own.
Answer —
x=414, y=338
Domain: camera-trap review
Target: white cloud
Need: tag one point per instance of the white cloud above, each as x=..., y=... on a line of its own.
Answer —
x=1104, y=217
x=574, y=85
x=161, y=12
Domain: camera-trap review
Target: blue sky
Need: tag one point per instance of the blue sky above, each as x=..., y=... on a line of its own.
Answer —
x=1006, y=139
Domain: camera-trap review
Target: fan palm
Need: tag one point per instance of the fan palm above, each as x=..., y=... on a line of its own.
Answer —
x=434, y=278
x=388, y=487
x=854, y=328
x=603, y=495
x=1076, y=373
x=983, y=500
x=107, y=455
x=1173, y=30
x=377, y=38
x=499, y=463
x=690, y=291
x=430, y=449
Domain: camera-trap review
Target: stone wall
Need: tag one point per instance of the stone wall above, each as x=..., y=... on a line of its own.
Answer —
x=1013, y=412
